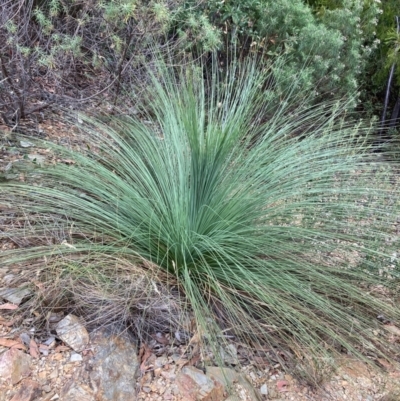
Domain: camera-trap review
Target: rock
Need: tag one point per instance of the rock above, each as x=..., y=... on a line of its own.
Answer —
x=38, y=159
x=73, y=333
x=194, y=385
x=264, y=389
x=114, y=367
x=229, y=355
x=161, y=361
x=225, y=376
x=14, y=365
x=15, y=295
x=231, y=380
x=75, y=358
x=392, y=329
x=29, y=391
x=25, y=338
x=46, y=388
x=9, y=278
x=26, y=144
x=169, y=375
x=73, y=392
x=54, y=374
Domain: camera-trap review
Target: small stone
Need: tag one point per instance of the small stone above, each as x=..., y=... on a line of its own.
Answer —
x=228, y=377
x=176, y=358
x=75, y=357
x=57, y=357
x=194, y=385
x=38, y=159
x=15, y=295
x=29, y=391
x=73, y=392
x=168, y=375
x=26, y=144
x=50, y=342
x=53, y=374
x=229, y=355
x=161, y=361
x=25, y=338
x=225, y=376
x=264, y=389
x=14, y=365
x=42, y=375
x=73, y=333
x=146, y=389
x=9, y=278
x=46, y=388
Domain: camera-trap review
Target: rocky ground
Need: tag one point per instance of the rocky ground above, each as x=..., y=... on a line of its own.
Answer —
x=69, y=363
x=74, y=365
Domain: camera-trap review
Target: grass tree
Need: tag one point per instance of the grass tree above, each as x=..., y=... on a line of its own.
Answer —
x=271, y=225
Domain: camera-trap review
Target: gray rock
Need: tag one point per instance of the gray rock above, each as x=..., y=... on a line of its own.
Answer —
x=161, y=361
x=29, y=391
x=233, y=382
x=26, y=144
x=194, y=385
x=25, y=338
x=75, y=357
x=114, y=367
x=73, y=333
x=264, y=389
x=46, y=388
x=9, y=278
x=225, y=376
x=38, y=159
x=15, y=295
x=14, y=365
x=74, y=391
x=229, y=354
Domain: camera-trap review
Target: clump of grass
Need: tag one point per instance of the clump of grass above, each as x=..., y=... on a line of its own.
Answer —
x=274, y=227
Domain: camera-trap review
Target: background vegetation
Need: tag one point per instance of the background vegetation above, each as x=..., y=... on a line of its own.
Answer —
x=73, y=52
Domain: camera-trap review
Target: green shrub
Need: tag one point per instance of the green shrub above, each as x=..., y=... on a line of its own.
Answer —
x=275, y=239
x=330, y=46
x=377, y=23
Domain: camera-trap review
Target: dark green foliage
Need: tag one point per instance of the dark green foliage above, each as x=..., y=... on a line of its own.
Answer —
x=329, y=44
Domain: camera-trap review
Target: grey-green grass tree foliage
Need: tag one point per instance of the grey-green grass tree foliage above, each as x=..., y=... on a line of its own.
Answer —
x=278, y=241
